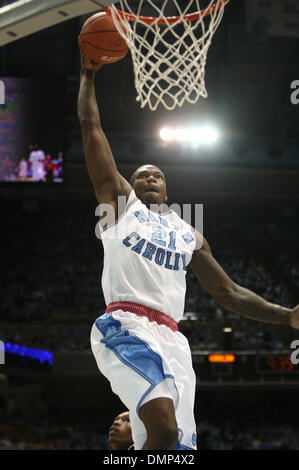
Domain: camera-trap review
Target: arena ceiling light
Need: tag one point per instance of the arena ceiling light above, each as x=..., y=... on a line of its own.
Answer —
x=166, y=134
x=208, y=135
x=192, y=135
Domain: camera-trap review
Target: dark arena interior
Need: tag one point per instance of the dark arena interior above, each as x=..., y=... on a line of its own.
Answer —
x=52, y=395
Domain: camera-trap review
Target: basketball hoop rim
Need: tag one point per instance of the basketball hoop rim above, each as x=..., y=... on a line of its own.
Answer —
x=171, y=19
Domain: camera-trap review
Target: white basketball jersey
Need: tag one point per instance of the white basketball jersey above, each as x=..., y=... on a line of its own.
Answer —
x=145, y=258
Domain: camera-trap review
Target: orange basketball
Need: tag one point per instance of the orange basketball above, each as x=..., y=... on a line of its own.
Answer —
x=100, y=41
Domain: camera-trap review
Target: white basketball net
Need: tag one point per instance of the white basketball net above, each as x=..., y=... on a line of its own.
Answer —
x=169, y=60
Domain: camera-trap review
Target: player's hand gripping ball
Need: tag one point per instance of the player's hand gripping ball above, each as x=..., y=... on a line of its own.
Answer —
x=100, y=41
x=88, y=64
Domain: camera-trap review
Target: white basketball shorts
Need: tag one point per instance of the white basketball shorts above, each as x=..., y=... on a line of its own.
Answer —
x=144, y=360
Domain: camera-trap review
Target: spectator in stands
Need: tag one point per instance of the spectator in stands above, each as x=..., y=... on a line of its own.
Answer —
x=120, y=435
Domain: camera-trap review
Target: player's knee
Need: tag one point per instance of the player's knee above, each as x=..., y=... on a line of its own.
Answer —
x=168, y=436
x=163, y=437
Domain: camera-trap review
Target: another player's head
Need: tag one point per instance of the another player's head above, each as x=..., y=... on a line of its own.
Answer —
x=149, y=184
x=120, y=434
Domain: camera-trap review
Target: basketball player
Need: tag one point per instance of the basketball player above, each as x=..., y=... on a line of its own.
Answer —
x=120, y=434
x=37, y=158
x=22, y=168
x=136, y=343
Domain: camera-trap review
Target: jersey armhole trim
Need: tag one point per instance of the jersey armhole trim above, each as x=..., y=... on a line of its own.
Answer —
x=121, y=216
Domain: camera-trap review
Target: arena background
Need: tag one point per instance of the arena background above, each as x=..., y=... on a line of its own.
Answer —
x=52, y=261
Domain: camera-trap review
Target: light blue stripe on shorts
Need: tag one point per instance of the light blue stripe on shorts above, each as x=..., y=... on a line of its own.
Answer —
x=133, y=352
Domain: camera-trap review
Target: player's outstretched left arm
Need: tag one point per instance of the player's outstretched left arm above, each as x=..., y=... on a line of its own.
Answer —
x=233, y=297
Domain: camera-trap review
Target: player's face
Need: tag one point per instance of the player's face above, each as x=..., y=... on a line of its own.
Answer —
x=120, y=435
x=150, y=185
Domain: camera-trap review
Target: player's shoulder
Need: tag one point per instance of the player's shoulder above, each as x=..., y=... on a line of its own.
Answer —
x=201, y=242
x=125, y=187
x=112, y=191
x=131, y=198
x=120, y=209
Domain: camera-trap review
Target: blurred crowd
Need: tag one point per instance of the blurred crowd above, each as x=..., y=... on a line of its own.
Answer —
x=29, y=433
x=50, y=288
x=23, y=433
x=232, y=435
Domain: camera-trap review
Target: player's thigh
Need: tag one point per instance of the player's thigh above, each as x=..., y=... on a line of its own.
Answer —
x=125, y=380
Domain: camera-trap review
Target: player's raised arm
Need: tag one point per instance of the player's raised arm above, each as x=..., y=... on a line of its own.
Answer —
x=234, y=297
x=107, y=181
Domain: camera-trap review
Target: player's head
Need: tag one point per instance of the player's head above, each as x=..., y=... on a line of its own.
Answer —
x=120, y=434
x=149, y=184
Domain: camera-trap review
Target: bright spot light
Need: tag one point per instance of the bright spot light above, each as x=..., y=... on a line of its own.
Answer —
x=166, y=134
x=227, y=330
x=180, y=134
x=208, y=135
x=194, y=135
